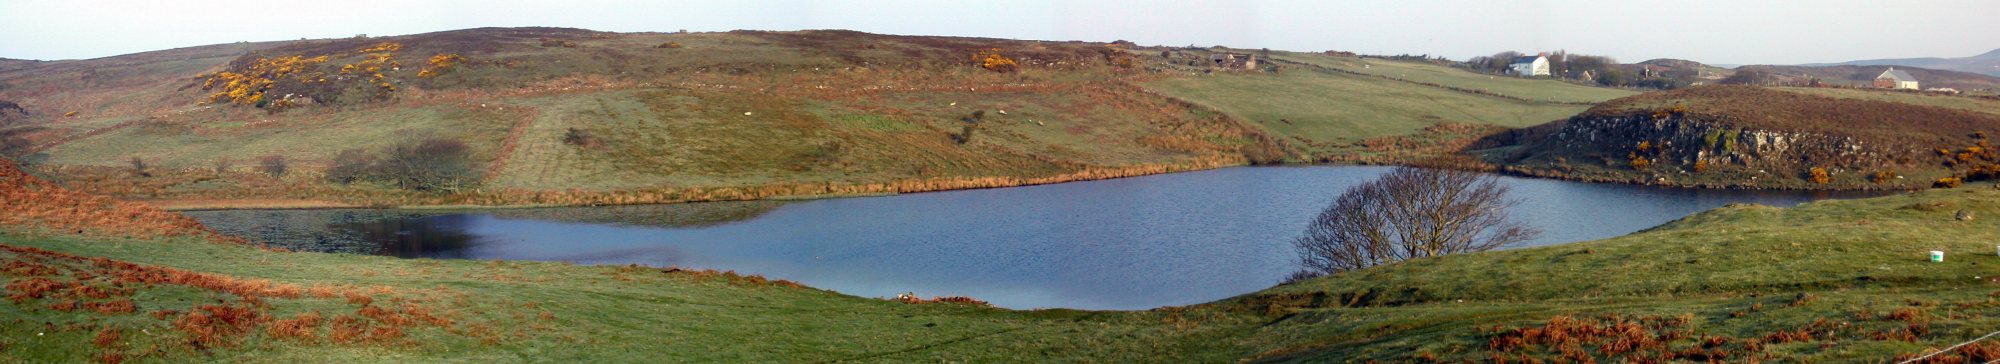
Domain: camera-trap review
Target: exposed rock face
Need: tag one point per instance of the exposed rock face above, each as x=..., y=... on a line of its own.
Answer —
x=1736, y=136
x=1684, y=139
x=1681, y=141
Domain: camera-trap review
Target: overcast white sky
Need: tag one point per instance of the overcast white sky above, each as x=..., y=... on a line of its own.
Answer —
x=1718, y=32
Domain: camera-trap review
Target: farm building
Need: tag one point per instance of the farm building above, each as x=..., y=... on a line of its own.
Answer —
x=1898, y=79
x=1530, y=66
x=1233, y=61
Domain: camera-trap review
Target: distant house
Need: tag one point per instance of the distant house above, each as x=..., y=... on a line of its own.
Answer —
x=1894, y=78
x=1530, y=66
x=1233, y=61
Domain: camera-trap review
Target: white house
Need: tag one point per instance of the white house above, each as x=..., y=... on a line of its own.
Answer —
x=1530, y=66
x=1894, y=78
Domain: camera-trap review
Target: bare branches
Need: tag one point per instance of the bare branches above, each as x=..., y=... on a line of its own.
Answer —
x=1410, y=213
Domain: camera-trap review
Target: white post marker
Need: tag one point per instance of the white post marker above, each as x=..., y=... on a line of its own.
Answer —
x=1937, y=255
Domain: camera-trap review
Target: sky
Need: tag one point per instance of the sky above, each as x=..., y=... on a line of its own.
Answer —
x=1715, y=32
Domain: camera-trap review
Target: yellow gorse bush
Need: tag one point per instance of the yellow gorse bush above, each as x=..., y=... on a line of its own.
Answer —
x=439, y=64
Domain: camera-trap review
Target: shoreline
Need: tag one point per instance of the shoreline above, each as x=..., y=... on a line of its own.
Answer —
x=770, y=192
x=205, y=204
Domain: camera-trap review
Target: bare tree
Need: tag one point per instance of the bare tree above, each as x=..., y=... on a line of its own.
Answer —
x=1500, y=61
x=1410, y=213
x=273, y=165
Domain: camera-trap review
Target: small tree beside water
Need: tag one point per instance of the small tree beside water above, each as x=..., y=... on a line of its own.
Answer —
x=1409, y=213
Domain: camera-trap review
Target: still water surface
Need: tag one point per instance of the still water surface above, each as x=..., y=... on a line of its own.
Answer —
x=1129, y=243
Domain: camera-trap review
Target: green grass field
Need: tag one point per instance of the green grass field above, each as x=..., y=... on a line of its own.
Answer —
x=305, y=139
x=1323, y=106
x=1530, y=89
x=1741, y=282
x=701, y=138
x=1955, y=102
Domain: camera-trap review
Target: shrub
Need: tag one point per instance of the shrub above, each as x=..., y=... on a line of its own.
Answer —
x=139, y=167
x=273, y=165
x=248, y=81
x=583, y=138
x=222, y=165
x=669, y=45
x=11, y=113
x=1947, y=182
x=349, y=166
x=1882, y=177
x=439, y=64
x=971, y=122
x=991, y=60
x=429, y=165
x=964, y=135
x=1819, y=175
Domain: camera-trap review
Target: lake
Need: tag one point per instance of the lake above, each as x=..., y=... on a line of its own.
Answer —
x=1131, y=243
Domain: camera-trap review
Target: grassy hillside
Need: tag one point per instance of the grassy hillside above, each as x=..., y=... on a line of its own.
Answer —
x=570, y=116
x=1535, y=90
x=1338, y=111
x=1835, y=281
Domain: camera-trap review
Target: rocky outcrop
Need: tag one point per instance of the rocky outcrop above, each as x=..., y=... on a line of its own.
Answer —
x=1699, y=150
x=1752, y=137
x=1684, y=140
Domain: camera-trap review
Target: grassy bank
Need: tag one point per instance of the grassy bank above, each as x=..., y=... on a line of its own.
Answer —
x=1830, y=281
x=449, y=310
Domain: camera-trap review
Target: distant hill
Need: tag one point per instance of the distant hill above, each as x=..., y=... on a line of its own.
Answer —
x=1682, y=72
x=15, y=65
x=1986, y=64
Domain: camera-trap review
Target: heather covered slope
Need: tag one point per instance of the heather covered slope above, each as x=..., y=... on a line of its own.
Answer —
x=33, y=205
